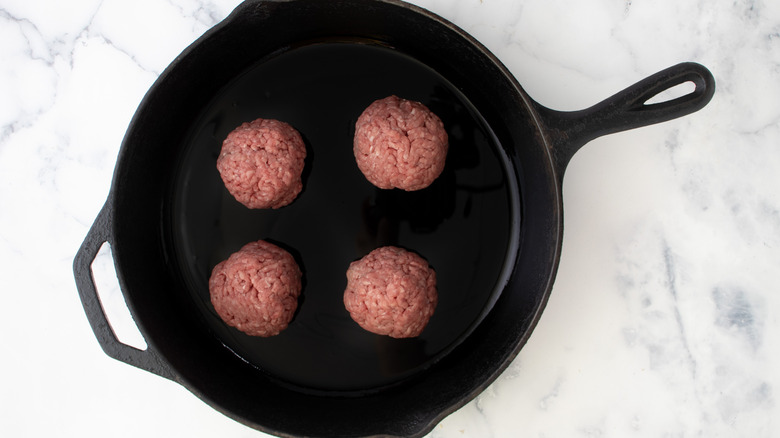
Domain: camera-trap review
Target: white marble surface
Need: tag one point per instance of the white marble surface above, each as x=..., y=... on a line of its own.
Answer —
x=663, y=321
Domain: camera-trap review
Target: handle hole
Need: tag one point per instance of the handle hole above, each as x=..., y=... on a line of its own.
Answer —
x=672, y=93
x=113, y=302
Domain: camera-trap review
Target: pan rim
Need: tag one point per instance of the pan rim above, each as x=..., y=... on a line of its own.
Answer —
x=117, y=193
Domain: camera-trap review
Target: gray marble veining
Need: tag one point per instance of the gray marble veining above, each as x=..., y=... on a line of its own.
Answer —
x=663, y=320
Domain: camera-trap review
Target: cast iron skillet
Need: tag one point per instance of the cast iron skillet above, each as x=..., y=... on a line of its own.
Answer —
x=491, y=225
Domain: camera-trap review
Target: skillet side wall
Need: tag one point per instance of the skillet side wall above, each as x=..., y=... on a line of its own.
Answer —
x=141, y=194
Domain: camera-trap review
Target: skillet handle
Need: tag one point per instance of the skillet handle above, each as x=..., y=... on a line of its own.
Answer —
x=148, y=359
x=628, y=109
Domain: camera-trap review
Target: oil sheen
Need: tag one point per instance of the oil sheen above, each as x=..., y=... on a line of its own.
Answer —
x=461, y=224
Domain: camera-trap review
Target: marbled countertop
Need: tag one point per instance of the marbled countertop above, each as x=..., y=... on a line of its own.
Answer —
x=663, y=320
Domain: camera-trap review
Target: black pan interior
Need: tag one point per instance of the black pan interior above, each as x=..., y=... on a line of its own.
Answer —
x=465, y=224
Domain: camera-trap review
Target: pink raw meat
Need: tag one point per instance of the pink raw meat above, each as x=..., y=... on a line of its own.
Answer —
x=400, y=143
x=261, y=163
x=391, y=291
x=256, y=289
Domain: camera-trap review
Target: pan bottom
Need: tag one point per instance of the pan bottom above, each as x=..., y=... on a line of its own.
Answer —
x=463, y=224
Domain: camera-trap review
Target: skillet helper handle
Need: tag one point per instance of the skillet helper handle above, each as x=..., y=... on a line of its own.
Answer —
x=99, y=233
x=628, y=109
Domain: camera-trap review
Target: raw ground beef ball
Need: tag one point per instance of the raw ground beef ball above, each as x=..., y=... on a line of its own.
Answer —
x=391, y=292
x=256, y=289
x=400, y=144
x=261, y=163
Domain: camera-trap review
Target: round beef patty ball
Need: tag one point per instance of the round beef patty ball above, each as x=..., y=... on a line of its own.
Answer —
x=391, y=291
x=256, y=289
x=261, y=163
x=400, y=144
